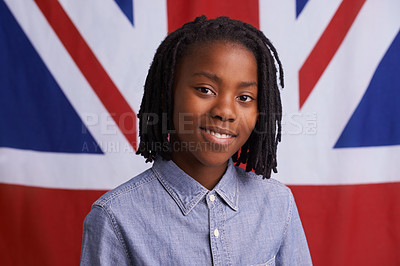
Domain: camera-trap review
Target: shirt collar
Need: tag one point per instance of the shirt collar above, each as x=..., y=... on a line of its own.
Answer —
x=187, y=192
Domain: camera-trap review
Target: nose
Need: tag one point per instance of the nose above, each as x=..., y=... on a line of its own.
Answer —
x=224, y=109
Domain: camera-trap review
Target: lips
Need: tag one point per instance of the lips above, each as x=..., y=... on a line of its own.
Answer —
x=218, y=135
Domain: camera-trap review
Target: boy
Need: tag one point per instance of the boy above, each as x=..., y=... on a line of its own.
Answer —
x=216, y=83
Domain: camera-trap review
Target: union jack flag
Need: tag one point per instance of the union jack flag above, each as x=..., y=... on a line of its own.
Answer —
x=71, y=82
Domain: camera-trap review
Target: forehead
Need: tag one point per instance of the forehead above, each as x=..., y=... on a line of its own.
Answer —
x=195, y=47
x=219, y=57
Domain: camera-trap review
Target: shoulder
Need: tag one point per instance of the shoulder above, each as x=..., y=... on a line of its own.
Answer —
x=254, y=180
x=127, y=189
x=266, y=197
x=270, y=191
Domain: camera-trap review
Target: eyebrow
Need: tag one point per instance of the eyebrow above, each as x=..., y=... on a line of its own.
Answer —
x=217, y=79
x=245, y=84
x=213, y=77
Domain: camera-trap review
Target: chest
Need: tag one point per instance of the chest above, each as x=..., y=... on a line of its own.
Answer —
x=212, y=233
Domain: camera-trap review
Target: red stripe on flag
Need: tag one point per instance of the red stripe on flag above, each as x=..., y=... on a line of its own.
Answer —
x=42, y=226
x=182, y=11
x=344, y=225
x=326, y=47
x=91, y=68
x=351, y=224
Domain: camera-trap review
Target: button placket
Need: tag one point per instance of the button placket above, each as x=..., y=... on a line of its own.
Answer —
x=215, y=234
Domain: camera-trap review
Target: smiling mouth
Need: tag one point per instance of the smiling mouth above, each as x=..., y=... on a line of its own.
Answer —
x=223, y=137
x=218, y=135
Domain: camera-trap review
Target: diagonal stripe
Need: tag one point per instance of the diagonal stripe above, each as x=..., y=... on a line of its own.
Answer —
x=376, y=120
x=91, y=68
x=326, y=47
x=37, y=113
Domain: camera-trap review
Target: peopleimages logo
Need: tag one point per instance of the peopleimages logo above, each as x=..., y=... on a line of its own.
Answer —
x=296, y=123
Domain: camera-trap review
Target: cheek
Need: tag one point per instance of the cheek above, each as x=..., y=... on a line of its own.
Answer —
x=188, y=107
x=249, y=120
x=186, y=117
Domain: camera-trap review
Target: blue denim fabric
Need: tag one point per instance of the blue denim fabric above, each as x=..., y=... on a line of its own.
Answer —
x=165, y=217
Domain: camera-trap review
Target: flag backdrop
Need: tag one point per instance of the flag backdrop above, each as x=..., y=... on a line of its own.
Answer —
x=71, y=80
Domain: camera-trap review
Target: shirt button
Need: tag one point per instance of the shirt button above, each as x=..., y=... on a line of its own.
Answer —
x=212, y=197
x=216, y=233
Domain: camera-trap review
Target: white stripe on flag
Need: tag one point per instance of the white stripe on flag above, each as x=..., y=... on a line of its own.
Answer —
x=69, y=171
x=124, y=51
x=335, y=97
x=118, y=163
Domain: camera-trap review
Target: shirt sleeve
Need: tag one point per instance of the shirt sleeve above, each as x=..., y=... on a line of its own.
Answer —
x=101, y=244
x=294, y=249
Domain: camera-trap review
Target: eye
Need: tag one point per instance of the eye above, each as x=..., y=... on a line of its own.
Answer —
x=205, y=90
x=245, y=98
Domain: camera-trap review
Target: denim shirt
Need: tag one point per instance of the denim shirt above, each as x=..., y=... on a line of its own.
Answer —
x=165, y=217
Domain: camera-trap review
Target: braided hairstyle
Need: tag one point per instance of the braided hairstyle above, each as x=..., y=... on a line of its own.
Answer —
x=259, y=151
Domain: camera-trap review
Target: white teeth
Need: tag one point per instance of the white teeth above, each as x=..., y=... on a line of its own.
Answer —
x=218, y=135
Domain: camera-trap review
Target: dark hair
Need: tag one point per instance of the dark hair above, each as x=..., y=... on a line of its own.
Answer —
x=259, y=152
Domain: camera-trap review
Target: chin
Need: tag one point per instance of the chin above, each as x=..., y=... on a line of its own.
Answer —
x=213, y=159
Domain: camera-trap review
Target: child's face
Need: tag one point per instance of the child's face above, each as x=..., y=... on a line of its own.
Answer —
x=215, y=102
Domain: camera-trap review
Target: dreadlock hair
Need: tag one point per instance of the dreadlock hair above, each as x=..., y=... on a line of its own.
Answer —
x=259, y=151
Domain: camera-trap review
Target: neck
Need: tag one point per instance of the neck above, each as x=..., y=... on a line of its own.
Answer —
x=207, y=176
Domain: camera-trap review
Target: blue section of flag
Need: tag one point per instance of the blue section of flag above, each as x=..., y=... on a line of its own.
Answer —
x=127, y=7
x=300, y=4
x=35, y=114
x=376, y=121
